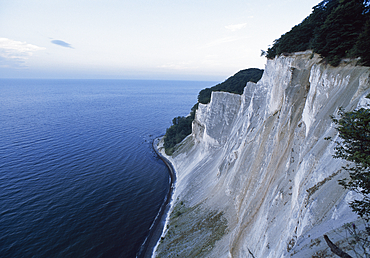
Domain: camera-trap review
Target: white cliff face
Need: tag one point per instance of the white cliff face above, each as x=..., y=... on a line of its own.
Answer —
x=257, y=165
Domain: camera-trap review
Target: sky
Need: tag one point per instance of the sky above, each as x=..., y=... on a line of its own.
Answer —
x=137, y=39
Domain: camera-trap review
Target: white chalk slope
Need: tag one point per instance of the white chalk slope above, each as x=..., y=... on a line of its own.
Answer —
x=262, y=160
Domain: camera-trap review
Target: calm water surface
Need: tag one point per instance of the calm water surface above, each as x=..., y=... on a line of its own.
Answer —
x=78, y=176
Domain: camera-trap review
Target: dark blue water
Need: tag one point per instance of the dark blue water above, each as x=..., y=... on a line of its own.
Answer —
x=78, y=176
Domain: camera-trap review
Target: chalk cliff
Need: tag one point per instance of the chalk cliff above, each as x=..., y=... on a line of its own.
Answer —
x=256, y=176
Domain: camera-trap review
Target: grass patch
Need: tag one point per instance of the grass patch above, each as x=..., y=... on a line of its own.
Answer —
x=193, y=231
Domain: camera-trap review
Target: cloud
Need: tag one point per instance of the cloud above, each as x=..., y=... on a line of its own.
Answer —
x=15, y=53
x=61, y=43
x=235, y=27
x=224, y=40
x=177, y=66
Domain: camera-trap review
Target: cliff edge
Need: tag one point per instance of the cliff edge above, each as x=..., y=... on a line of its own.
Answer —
x=256, y=176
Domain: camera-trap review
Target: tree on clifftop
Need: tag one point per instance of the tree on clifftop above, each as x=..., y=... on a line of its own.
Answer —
x=335, y=29
x=340, y=31
x=363, y=44
x=233, y=84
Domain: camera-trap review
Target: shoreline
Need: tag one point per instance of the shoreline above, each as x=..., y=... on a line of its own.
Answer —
x=157, y=229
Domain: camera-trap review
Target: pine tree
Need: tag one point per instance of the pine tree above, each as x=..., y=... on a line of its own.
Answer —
x=340, y=31
x=335, y=29
x=363, y=45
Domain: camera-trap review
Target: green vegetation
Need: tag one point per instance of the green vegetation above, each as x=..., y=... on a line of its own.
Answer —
x=181, y=126
x=354, y=132
x=354, y=147
x=195, y=227
x=234, y=84
x=335, y=29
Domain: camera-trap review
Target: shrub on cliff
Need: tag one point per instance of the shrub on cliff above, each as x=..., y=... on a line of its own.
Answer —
x=180, y=128
x=354, y=146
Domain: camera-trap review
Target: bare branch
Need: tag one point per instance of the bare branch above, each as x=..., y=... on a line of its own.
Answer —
x=251, y=253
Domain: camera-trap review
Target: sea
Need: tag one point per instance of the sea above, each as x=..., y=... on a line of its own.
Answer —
x=78, y=173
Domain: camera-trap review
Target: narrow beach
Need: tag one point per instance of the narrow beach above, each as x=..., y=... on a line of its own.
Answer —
x=157, y=228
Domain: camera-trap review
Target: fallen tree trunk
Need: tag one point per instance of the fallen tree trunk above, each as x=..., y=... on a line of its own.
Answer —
x=335, y=249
